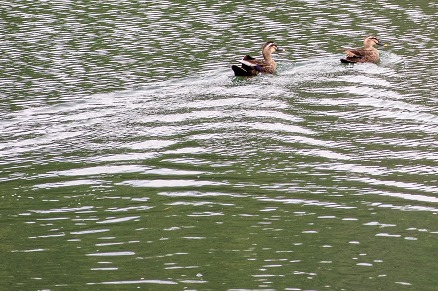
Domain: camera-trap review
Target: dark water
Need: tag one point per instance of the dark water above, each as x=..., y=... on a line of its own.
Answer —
x=131, y=158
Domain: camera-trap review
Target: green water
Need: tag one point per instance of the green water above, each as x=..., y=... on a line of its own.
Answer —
x=130, y=157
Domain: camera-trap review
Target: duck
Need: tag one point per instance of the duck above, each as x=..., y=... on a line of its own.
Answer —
x=252, y=67
x=367, y=54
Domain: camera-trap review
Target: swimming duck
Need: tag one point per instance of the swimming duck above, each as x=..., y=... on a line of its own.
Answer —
x=367, y=54
x=252, y=66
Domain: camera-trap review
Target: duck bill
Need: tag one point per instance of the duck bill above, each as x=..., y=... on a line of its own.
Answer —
x=280, y=49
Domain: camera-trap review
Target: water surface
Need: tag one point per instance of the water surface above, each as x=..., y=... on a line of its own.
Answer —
x=130, y=157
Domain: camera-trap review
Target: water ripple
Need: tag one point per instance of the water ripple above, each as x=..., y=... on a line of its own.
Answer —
x=127, y=143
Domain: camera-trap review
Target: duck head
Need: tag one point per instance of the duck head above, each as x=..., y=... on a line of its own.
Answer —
x=271, y=47
x=371, y=41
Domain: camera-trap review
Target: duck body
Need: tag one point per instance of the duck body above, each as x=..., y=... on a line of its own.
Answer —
x=367, y=54
x=252, y=67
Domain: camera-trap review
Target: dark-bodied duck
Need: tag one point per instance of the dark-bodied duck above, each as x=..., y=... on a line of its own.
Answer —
x=252, y=66
x=367, y=54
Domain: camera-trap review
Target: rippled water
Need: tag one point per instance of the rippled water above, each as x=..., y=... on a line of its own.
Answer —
x=131, y=157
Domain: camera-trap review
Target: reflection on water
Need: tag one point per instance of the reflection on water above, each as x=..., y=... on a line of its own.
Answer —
x=131, y=156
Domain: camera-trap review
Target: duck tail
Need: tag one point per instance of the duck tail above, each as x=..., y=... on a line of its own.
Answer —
x=346, y=61
x=238, y=71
